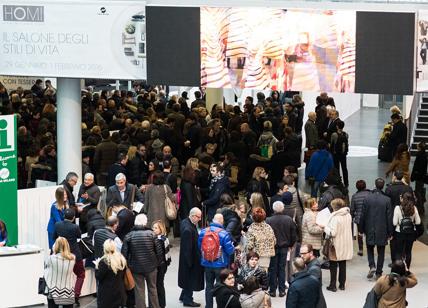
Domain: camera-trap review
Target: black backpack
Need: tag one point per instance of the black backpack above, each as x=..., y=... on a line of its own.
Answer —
x=406, y=224
x=341, y=146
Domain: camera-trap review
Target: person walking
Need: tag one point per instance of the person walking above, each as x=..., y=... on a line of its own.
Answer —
x=216, y=247
x=225, y=292
x=376, y=224
x=110, y=270
x=190, y=271
x=304, y=287
x=391, y=288
x=357, y=201
x=400, y=162
x=143, y=253
x=285, y=232
x=405, y=218
x=339, y=229
x=419, y=172
x=59, y=275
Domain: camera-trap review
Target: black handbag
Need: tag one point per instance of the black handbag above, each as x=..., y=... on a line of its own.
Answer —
x=86, y=247
x=328, y=249
x=43, y=288
x=419, y=230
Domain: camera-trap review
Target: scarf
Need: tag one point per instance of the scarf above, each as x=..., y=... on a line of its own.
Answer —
x=214, y=180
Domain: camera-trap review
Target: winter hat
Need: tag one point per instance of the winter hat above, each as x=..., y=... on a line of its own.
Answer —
x=286, y=198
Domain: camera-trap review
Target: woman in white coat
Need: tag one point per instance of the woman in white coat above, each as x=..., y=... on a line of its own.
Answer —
x=339, y=228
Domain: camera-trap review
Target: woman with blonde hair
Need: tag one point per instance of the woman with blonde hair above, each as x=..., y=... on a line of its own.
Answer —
x=110, y=272
x=56, y=213
x=193, y=162
x=311, y=232
x=133, y=166
x=159, y=229
x=59, y=275
x=259, y=184
x=256, y=200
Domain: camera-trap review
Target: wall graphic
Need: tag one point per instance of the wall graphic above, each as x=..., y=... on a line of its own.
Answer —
x=422, y=47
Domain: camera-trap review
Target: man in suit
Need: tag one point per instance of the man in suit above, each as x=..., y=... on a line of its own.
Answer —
x=399, y=132
x=122, y=193
x=332, y=124
x=189, y=260
x=71, y=232
x=118, y=167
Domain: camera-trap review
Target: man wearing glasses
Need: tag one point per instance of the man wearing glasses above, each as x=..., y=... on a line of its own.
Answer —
x=313, y=266
x=190, y=271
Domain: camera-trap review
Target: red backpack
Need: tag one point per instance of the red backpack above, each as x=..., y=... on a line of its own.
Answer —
x=210, y=246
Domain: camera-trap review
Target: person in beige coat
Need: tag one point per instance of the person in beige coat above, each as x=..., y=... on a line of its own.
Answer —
x=311, y=232
x=391, y=288
x=339, y=228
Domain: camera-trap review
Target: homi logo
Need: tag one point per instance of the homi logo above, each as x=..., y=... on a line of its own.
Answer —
x=27, y=13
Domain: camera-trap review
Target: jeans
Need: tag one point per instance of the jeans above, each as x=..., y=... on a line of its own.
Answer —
x=404, y=245
x=139, y=290
x=333, y=273
x=340, y=161
x=277, y=270
x=314, y=189
x=212, y=275
x=186, y=296
x=380, y=258
x=79, y=271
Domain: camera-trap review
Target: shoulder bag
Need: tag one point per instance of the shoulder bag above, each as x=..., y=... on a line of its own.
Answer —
x=170, y=208
x=372, y=299
x=328, y=249
x=128, y=279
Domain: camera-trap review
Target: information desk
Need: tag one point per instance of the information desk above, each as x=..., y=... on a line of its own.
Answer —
x=20, y=269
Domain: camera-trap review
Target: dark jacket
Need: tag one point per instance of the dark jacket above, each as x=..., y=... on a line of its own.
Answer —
x=357, y=204
x=222, y=294
x=398, y=135
x=419, y=167
x=71, y=232
x=99, y=238
x=69, y=191
x=331, y=193
x=113, y=196
x=95, y=221
x=303, y=291
x=395, y=190
x=111, y=289
x=188, y=198
x=314, y=269
x=190, y=271
x=142, y=250
x=246, y=272
x=284, y=228
x=94, y=195
x=232, y=224
x=113, y=170
x=220, y=187
x=105, y=155
x=126, y=222
x=376, y=221
x=319, y=165
x=260, y=186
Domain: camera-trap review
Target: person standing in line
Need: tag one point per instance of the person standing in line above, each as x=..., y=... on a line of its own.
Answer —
x=319, y=166
x=304, y=287
x=376, y=224
x=391, y=288
x=339, y=228
x=110, y=270
x=357, y=201
x=70, y=231
x=405, y=218
x=311, y=232
x=399, y=132
x=419, y=172
x=104, y=234
x=189, y=259
x=59, y=275
x=216, y=248
x=339, y=146
x=143, y=253
x=57, y=213
x=313, y=266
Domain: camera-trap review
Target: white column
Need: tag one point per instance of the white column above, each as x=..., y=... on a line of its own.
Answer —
x=69, y=132
x=229, y=96
x=214, y=96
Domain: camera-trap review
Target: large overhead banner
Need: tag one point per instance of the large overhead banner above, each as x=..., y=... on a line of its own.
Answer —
x=88, y=39
x=303, y=50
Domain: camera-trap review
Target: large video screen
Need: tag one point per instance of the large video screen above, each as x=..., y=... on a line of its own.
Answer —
x=302, y=50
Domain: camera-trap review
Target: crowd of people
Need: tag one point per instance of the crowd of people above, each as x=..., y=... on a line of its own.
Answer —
x=247, y=230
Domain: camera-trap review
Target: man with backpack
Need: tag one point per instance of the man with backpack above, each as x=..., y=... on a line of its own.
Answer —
x=339, y=147
x=216, y=248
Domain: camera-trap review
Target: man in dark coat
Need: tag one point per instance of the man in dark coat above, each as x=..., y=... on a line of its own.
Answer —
x=118, y=167
x=304, y=287
x=105, y=155
x=357, y=201
x=88, y=197
x=68, y=184
x=190, y=271
x=122, y=193
x=398, y=134
x=376, y=224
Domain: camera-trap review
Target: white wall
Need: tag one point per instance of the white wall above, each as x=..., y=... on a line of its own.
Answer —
x=370, y=100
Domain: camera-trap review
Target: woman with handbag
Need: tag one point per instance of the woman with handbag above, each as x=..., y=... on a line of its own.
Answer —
x=339, y=242
x=391, y=288
x=154, y=200
x=110, y=270
x=405, y=220
x=225, y=293
x=59, y=275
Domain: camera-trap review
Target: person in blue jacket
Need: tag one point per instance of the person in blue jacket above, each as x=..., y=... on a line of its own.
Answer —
x=319, y=166
x=57, y=213
x=3, y=233
x=213, y=268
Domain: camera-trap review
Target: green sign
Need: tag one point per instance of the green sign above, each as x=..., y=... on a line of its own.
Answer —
x=9, y=177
